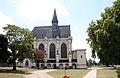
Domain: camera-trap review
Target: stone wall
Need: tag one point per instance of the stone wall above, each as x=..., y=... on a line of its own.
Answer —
x=81, y=58
x=57, y=41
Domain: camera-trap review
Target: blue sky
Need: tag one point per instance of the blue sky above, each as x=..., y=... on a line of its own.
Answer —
x=77, y=13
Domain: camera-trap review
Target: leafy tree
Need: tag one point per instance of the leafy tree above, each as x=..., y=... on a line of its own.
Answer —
x=40, y=56
x=20, y=43
x=4, y=54
x=104, y=35
x=90, y=62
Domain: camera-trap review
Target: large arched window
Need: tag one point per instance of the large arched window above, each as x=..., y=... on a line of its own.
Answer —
x=52, y=50
x=41, y=47
x=63, y=50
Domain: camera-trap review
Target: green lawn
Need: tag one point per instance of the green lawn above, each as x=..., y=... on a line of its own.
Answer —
x=72, y=73
x=6, y=72
x=106, y=73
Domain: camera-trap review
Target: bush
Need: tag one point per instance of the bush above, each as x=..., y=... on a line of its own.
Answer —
x=66, y=67
x=118, y=72
x=70, y=67
x=57, y=67
x=45, y=67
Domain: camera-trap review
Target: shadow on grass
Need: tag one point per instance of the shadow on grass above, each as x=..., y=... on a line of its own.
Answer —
x=108, y=68
x=14, y=72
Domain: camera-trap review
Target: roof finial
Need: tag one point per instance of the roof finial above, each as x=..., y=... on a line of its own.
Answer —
x=54, y=19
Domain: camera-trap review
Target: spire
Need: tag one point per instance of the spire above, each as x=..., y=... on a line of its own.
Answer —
x=54, y=19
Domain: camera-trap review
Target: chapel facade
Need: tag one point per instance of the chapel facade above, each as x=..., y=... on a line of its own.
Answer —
x=56, y=43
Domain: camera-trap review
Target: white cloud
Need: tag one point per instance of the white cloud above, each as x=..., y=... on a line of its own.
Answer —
x=13, y=1
x=4, y=20
x=40, y=9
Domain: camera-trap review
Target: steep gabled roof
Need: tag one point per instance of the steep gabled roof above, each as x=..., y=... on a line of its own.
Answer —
x=40, y=32
x=63, y=31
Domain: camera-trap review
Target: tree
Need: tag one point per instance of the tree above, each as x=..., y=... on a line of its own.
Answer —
x=90, y=62
x=20, y=43
x=40, y=56
x=104, y=35
x=3, y=49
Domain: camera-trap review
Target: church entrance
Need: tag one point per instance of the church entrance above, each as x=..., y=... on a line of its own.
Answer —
x=26, y=63
x=42, y=65
x=54, y=66
x=48, y=66
x=74, y=66
x=61, y=66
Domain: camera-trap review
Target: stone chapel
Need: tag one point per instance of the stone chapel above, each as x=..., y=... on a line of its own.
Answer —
x=56, y=42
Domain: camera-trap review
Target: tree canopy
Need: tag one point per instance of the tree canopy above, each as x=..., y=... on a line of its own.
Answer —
x=20, y=43
x=3, y=49
x=104, y=35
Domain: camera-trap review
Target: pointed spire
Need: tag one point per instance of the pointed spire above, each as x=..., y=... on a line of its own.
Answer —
x=54, y=19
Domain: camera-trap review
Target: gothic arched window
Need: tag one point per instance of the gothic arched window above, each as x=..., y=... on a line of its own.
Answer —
x=41, y=47
x=63, y=50
x=52, y=50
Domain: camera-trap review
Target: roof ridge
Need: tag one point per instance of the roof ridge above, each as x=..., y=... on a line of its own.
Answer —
x=41, y=26
x=49, y=26
x=63, y=25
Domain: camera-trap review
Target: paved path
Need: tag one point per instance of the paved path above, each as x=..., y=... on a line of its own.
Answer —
x=39, y=74
x=92, y=73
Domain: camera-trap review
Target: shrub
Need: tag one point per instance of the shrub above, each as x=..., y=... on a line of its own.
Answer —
x=45, y=67
x=118, y=72
x=66, y=67
x=57, y=67
x=70, y=67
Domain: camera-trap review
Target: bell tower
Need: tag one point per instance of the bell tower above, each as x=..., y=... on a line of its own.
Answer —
x=55, y=27
x=54, y=19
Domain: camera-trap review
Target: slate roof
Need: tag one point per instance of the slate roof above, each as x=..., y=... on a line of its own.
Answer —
x=40, y=32
x=53, y=31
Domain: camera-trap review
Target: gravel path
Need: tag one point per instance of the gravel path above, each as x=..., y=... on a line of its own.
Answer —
x=39, y=74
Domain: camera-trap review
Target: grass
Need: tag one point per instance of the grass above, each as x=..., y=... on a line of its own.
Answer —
x=72, y=73
x=106, y=73
x=6, y=72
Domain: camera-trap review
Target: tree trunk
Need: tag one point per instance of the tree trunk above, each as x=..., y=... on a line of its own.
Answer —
x=107, y=64
x=38, y=65
x=14, y=65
